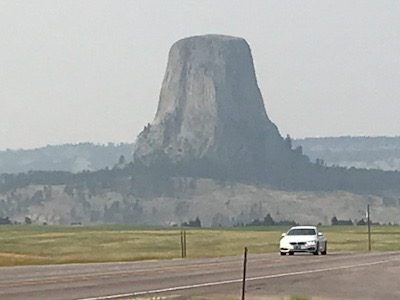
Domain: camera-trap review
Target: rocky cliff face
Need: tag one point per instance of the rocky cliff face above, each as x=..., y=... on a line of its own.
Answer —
x=211, y=114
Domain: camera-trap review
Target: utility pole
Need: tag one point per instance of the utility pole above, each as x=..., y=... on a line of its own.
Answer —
x=369, y=228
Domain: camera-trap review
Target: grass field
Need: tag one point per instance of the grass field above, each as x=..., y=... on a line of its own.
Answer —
x=34, y=244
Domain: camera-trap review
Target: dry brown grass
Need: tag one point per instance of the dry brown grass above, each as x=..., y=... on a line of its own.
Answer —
x=22, y=245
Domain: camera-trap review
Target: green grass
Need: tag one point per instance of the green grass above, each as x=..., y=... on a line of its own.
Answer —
x=31, y=244
x=300, y=297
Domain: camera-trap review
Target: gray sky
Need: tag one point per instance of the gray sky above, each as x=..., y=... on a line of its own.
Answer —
x=77, y=71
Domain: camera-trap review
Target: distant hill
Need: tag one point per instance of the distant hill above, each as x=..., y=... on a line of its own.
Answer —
x=67, y=157
x=360, y=152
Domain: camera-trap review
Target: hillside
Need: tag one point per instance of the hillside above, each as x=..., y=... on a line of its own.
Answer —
x=215, y=204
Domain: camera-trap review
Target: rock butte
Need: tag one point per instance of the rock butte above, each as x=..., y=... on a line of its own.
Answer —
x=211, y=113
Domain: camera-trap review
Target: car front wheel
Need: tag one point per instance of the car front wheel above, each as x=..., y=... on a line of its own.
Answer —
x=316, y=250
x=283, y=253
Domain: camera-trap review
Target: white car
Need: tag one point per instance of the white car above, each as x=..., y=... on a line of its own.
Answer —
x=303, y=239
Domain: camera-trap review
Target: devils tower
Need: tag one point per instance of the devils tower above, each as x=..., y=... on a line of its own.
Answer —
x=211, y=117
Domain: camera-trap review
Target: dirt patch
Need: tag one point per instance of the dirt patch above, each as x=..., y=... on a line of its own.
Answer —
x=14, y=259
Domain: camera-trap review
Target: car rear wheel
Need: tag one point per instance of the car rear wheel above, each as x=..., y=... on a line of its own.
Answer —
x=291, y=253
x=325, y=249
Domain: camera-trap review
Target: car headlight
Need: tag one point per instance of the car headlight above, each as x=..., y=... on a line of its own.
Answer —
x=312, y=243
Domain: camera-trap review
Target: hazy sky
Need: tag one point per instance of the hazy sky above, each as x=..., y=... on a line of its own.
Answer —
x=77, y=71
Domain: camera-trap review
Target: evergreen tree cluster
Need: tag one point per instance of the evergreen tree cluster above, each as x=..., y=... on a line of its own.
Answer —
x=5, y=221
x=192, y=223
x=269, y=221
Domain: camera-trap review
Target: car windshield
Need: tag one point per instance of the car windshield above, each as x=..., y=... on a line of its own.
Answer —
x=302, y=231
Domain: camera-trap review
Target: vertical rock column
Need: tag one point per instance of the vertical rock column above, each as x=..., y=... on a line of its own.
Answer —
x=210, y=114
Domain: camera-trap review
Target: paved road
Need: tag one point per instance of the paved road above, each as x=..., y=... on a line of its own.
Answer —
x=335, y=276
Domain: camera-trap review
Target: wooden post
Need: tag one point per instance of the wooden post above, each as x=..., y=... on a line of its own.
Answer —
x=183, y=243
x=244, y=273
x=369, y=228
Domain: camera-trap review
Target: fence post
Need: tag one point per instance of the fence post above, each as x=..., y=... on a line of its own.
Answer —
x=369, y=228
x=244, y=273
x=184, y=241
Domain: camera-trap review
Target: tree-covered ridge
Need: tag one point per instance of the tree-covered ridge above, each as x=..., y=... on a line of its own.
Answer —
x=152, y=181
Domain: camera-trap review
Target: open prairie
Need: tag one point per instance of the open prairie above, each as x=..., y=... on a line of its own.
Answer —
x=32, y=244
